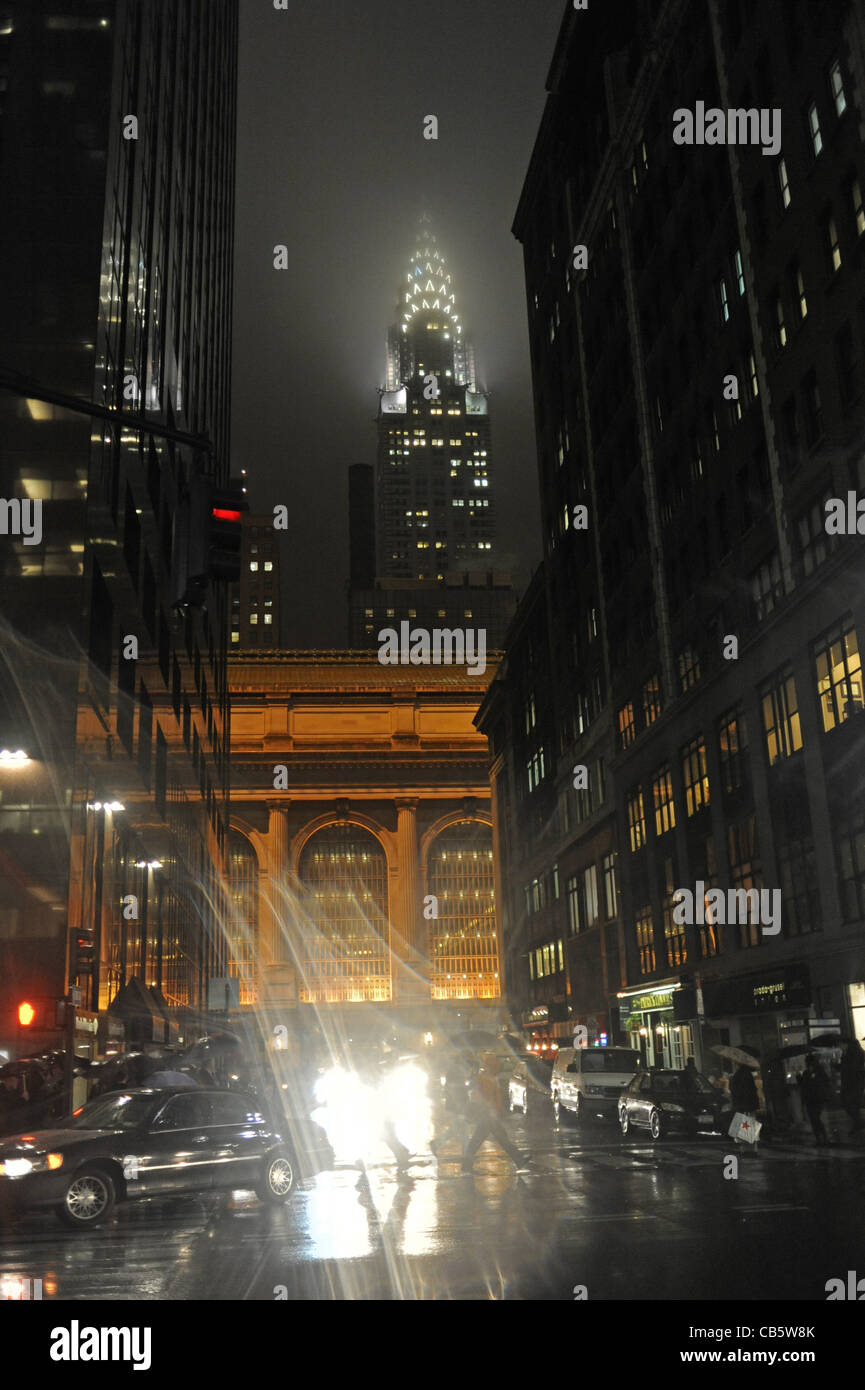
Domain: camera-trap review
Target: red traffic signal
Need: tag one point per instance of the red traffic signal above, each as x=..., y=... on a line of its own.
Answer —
x=81, y=953
x=26, y=1014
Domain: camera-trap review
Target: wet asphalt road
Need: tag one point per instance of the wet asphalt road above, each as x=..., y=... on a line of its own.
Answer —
x=627, y=1218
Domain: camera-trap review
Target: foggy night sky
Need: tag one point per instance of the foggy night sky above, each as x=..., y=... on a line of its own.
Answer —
x=331, y=161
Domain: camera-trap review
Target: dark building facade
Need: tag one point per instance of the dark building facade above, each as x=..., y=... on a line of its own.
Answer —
x=696, y=327
x=255, y=606
x=117, y=177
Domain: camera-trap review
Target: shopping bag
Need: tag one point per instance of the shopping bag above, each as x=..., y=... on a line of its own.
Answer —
x=745, y=1128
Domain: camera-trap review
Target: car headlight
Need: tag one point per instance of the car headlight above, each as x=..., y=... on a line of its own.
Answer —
x=16, y=1167
x=673, y=1109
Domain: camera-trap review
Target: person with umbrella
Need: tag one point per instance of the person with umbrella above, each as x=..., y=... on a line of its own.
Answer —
x=852, y=1082
x=743, y=1092
x=816, y=1090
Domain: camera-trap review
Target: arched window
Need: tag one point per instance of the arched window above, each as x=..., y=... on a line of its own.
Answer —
x=242, y=925
x=346, y=934
x=463, y=949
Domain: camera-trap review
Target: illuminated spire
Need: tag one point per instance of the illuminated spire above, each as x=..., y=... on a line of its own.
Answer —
x=428, y=288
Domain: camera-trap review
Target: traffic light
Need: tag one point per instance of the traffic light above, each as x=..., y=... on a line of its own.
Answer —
x=208, y=535
x=26, y=1014
x=226, y=533
x=81, y=953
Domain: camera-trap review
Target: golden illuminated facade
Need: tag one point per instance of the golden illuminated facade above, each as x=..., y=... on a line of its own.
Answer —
x=361, y=847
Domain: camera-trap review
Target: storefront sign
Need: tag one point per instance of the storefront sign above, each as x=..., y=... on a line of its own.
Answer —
x=539, y=1014
x=786, y=987
x=662, y=1000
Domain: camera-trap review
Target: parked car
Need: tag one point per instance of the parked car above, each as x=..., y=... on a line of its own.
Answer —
x=145, y=1143
x=587, y=1081
x=662, y=1101
x=529, y=1078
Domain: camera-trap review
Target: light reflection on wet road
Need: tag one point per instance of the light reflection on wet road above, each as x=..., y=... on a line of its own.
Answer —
x=627, y=1218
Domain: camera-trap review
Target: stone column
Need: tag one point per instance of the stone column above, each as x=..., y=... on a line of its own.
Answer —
x=406, y=911
x=276, y=920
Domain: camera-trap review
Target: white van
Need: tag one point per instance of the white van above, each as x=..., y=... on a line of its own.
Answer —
x=587, y=1081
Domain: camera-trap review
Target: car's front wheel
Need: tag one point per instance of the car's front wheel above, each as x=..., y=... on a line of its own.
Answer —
x=89, y=1198
x=277, y=1180
x=624, y=1122
x=656, y=1127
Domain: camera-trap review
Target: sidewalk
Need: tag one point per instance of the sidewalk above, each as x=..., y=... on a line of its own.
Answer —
x=800, y=1139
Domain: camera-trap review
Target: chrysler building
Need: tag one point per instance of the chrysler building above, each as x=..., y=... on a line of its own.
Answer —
x=434, y=504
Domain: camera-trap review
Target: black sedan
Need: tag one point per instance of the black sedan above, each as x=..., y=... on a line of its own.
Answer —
x=663, y=1101
x=146, y=1143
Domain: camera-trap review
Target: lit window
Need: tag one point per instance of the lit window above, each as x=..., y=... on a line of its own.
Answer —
x=834, y=248
x=814, y=128
x=268, y=565
x=836, y=86
x=627, y=727
x=780, y=328
x=724, y=300
x=781, y=718
x=752, y=373
x=268, y=618
x=253, y=618
x=839, y=675
x=800, y=292
x=253, y=567
x=695, y=776
x=235, y=636
x=740, y=273
x=662, y=796
x=858, y=208
x=636, y=819
x=784, y=183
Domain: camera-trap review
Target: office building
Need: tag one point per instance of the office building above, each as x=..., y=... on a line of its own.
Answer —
x=696, y=328
x=117, y=178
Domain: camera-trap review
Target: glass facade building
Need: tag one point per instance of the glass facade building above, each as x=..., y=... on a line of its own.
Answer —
x=117, y=178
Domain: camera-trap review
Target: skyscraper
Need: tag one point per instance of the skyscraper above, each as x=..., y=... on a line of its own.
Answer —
x=434, y=493
x=435, y=516
x=117, y=176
